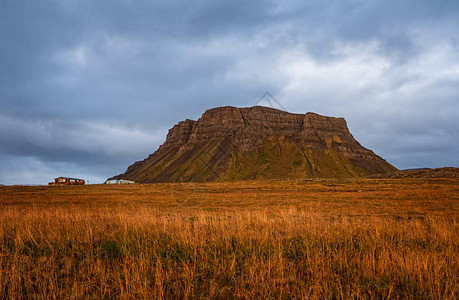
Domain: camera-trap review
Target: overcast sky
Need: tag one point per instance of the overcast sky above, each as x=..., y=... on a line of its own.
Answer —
x=87, y=87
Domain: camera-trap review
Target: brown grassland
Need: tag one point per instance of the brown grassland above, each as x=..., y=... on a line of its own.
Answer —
x=360, y=238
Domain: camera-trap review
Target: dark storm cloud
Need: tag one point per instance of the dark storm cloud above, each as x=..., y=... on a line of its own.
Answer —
x=87, y=87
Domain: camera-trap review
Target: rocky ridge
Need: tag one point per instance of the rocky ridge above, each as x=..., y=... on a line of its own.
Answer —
x=230, y=143
x=447, y=172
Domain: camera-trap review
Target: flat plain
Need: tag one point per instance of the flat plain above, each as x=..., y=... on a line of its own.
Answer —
x=354, y=238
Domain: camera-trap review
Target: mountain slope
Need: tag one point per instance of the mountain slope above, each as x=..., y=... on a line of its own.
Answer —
x=229, y=143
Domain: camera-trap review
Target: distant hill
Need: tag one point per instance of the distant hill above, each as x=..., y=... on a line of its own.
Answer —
x=421, y=173
x=229, y=143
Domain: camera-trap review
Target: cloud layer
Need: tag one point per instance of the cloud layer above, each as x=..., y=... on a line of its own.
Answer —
x=88, y=87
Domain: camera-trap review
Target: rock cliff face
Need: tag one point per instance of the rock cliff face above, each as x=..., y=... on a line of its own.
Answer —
x=229, y=143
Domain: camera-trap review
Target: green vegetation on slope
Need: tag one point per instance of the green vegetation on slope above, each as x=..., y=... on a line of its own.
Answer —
x=221, y=160
x=284, y=158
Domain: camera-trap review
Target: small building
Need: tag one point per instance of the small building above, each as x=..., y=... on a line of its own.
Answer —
x=67, y=181
x=119, y=181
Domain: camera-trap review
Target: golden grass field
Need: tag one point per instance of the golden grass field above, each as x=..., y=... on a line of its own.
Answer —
x=361, y=238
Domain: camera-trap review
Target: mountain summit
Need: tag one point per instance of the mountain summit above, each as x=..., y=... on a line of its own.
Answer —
x=230, y=143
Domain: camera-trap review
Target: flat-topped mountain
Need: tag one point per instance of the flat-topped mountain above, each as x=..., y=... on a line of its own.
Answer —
x=230, y=143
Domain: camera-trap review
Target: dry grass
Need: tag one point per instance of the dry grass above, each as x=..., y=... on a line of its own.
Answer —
x=256, y=239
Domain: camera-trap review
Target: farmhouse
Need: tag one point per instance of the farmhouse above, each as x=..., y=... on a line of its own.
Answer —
x=67, y=181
